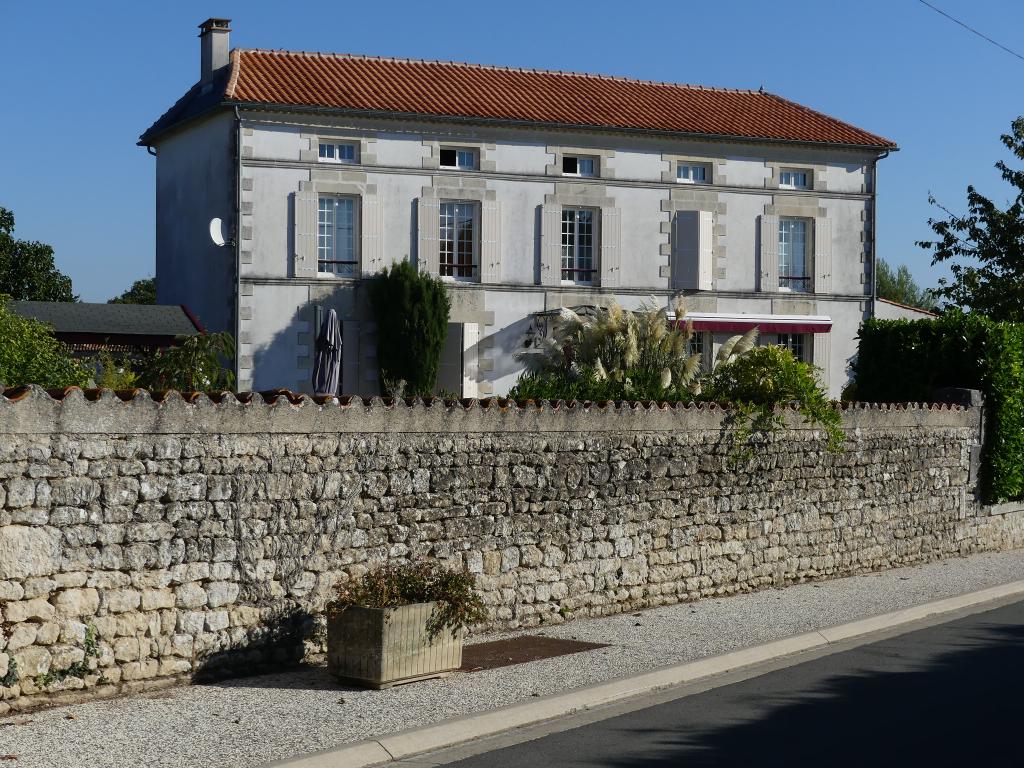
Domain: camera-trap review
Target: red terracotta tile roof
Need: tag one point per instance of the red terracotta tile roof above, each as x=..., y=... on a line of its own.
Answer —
x=565, y=99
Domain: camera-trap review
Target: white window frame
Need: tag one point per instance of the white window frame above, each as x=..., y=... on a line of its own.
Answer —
x=791, y=280
x=582, y=161
x=697, y=344
x=594, y=270
x=798, y=343
x=789, y=178
x=335, y=149
x=691, y=172
x=352, y=267
x=474, y=266
x=466, y=158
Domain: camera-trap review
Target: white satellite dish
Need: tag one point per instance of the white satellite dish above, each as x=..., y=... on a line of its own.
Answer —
x=217, y=232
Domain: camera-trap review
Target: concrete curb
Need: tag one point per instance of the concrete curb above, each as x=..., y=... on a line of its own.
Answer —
x=452, y=732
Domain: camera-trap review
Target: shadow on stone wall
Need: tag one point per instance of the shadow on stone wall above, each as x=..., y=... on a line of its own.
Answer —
x=281, y=642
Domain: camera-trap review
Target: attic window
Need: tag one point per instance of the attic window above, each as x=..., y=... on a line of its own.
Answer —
x=579, y=165
x=692, y=173
x=344, y=152
x=464, y=159
x=794, y=178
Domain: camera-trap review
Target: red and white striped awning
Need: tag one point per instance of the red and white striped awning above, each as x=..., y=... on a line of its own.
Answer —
x=741, y=322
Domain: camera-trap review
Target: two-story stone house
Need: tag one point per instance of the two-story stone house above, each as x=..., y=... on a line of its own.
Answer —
x=526, y=190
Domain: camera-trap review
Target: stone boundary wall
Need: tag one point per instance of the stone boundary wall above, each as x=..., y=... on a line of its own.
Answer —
x=147, y=542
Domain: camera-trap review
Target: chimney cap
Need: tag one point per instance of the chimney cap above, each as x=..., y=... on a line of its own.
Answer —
x=215, y=25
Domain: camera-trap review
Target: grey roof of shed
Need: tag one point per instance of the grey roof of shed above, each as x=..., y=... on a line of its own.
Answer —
x=112, y=319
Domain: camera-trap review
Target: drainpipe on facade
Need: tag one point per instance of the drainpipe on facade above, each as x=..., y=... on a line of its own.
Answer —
x=238, y=246
x=874, y=234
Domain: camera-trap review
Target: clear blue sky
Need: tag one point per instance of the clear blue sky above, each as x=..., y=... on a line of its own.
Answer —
x=83, y=80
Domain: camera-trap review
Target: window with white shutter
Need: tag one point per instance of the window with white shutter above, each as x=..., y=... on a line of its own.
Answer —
x=693, y=250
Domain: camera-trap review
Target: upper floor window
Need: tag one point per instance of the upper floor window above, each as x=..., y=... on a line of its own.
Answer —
x=579, y=257
x=463, y=159
x=337, y=236
x=579, y=165
x=459, y=244
x=793, y=245
x=794, y=342
x=343, y=152
x=794, y=178
x=693, y=173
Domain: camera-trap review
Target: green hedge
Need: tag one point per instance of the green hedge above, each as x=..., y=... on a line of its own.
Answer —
x=906, y=360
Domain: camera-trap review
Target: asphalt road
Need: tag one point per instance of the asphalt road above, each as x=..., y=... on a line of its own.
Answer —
x=951, y=694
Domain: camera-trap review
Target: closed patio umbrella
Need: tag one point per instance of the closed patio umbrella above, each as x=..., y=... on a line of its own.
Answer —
x=327, y=370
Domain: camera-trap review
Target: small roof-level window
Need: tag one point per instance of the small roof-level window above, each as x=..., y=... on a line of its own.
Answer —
x=793, y=178
x=454, y=157
x=343, y=152
x=692, y=173
x=579, y=165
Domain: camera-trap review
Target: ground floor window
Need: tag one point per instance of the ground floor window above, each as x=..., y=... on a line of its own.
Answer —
x=695, y=346
x=579, y=264
x=796, y=343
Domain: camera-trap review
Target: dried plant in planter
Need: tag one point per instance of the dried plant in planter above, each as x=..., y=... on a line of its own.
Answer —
x=392, y=585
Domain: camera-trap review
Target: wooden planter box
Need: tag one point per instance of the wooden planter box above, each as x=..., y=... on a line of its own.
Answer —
x=381, y=647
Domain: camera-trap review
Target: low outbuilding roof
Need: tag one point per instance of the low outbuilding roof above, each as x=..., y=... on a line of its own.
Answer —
x=114, y=320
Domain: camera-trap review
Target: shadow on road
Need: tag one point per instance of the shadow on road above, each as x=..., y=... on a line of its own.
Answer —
x=962, y=706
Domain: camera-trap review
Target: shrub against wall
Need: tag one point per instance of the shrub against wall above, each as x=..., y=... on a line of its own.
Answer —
x=200, y=363
x=907, y=360
x=766, y=377
x=29, y=354
x=622, y=355
x=411, y=311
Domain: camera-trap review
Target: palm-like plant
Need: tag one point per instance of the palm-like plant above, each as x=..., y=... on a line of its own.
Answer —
x=638, y=352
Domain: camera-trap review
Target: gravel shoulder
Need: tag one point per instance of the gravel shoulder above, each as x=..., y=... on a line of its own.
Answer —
x=271, y=717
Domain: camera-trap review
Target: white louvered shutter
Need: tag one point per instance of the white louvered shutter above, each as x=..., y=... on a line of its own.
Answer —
x=428, y=225
x=705, y=250
x=490, y=242
x=551, y=245
x=821, y=353
x=611, y=248
x=822, y=255
x=470, y=360
x=769, y=253
x=372, y=236
x=305, y=257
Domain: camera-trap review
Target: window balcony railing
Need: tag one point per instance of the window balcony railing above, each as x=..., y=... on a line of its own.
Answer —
x=797, y=283
x=345, y=268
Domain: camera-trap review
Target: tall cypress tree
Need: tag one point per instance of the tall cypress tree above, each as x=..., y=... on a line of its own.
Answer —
x=412, y=324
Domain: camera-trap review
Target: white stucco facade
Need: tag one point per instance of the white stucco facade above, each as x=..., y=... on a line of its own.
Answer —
x=266, y=164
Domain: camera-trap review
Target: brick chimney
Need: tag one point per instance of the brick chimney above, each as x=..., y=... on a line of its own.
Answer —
x=215, y=46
